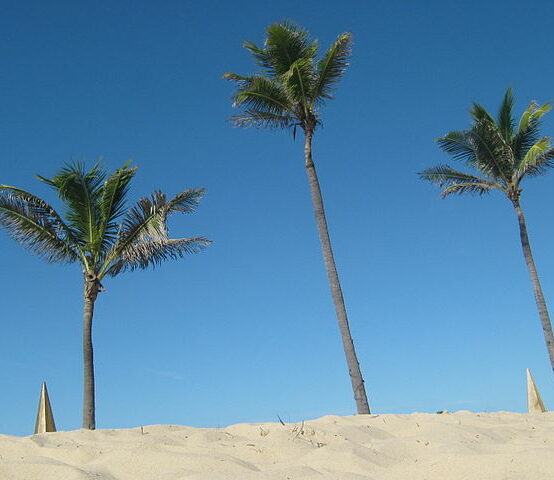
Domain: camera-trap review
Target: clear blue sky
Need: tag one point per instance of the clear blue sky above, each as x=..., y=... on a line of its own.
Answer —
x=440, y=303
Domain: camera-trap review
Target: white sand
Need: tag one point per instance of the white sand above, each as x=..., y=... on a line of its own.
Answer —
x=451, y=446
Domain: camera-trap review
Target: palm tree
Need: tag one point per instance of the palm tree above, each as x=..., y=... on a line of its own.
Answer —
x=287, y=93
x=99, y=233
x=502, y=156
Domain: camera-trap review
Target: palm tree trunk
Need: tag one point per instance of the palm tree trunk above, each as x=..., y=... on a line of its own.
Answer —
x=539, y=297
x=89, y=410
x=334, y=283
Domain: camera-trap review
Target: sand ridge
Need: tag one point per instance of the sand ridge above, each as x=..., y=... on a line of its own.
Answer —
x=449, y=446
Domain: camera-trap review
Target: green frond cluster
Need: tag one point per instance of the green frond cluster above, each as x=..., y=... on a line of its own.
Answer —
x=454, y=182
x=292, y=83
x=98, y=230
x=148, y=253
x=332, y=66
x=36, y=225
x=81, y=192
x=506, y=123
x=112, y=202
x=500, y=153
x=144, y=229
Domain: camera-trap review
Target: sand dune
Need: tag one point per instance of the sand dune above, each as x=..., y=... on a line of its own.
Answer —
x=450, y=446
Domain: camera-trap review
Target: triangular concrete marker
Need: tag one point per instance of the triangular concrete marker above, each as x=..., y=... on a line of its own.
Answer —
x=534, y=400
x=45, y=418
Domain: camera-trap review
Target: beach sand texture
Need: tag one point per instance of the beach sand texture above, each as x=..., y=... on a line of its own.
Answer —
x=449, y=446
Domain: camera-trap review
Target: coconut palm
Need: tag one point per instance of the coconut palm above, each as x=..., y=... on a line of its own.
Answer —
x=99, y=233
x=287, y=93
x=501, y=155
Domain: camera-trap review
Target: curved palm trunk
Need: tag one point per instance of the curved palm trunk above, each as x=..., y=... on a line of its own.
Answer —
x=89, y=410
x=539, y=297
x=336, y=291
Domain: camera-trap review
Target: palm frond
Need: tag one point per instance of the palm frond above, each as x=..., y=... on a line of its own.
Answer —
x=150, y=253
x=286, y=43
x=539, y=158
x=469, y=187
x=256, y=119
x=35, y=224
x=147, y=221
x=528, y=131
x=482, y=148
x=263, y=95
x=112, y=202
x=148, y=218
x=299, y=82
x=506, y=122
x=460, y=145
x=479, y=113
x=260, y=56
x=533, y=113
x=42, y=209
x=81, y=192
x=455, y=182
x=185, y=202
x=332, y=66
x=240, y=80
x=494, y=156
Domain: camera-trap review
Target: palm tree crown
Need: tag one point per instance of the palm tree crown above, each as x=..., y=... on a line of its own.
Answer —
x=501, y=153
x=98, y=232
x=292, y=83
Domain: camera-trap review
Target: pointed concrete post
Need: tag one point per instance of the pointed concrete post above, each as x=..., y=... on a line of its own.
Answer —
x=534, y=400
x=45, y=418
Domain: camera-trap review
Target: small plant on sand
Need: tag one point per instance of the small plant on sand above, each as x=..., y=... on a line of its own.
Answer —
x=99, y=233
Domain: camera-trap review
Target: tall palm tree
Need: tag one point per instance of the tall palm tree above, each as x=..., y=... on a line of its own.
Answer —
x=287, y=93
x=99, y=233
x=502, y=154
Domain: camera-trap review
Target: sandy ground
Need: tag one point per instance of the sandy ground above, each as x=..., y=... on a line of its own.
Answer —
x=450, y=446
